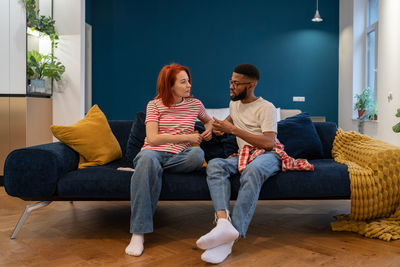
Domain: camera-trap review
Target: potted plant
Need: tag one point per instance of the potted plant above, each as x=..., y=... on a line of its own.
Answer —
x=373, y=112
x=363, y=102
x=40, y=66
x=396, y=128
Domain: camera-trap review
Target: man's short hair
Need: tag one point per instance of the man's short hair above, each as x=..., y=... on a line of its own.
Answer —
x=248, y=70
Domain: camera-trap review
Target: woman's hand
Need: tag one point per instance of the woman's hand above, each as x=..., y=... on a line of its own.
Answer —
x=206, y=135
x=194, y=138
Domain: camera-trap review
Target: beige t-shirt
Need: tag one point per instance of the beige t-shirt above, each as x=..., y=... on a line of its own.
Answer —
x=256, y=117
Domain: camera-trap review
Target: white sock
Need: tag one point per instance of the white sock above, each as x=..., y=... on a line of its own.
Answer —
x=135, y=247
x=217, y=254
x=223, y=233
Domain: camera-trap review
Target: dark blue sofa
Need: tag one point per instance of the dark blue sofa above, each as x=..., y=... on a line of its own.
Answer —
x=49, y=173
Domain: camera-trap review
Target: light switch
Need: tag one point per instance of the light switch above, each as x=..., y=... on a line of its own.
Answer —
x=299, y=99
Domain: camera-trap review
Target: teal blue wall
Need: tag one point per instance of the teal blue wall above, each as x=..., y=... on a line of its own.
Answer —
x=132, y=40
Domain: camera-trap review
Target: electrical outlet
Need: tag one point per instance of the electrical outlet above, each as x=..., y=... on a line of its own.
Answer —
x=299, y=99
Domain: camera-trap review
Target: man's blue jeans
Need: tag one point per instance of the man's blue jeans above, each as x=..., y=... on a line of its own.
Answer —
x=252, y=178
x=146, y=181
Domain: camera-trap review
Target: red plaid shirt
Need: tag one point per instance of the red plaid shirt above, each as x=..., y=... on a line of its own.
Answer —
x=288, y=163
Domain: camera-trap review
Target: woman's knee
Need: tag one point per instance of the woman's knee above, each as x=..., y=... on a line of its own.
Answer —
x=146, y=157
x=196, y=156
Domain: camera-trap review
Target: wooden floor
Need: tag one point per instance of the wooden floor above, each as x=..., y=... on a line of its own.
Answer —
x=282, y=233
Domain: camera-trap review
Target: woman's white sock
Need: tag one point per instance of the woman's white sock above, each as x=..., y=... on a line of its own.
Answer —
x=135, y=247
x=217, y=254
x=223, y=233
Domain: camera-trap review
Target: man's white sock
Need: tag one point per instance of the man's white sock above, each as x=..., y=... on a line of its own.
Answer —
x=223, y=233
x=217, y=254
x=135, y=247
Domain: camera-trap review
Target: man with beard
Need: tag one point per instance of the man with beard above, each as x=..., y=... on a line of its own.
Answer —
x=253, y=121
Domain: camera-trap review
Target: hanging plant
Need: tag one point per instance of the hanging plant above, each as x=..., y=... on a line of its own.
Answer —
x=44, y=24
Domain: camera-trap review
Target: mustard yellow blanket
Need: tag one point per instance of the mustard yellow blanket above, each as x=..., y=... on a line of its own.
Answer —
x=374, y=169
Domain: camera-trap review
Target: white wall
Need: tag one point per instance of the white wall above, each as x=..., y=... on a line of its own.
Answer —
x=346, y=65
x=388, y=68
x=69, y=95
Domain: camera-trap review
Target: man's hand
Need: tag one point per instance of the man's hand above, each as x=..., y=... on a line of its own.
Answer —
x=217, y=133
x=206, y=135
x=222, y=126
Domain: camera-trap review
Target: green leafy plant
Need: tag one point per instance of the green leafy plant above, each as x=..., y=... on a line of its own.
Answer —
x=396, y=128
x=44, y=24
x=373, y=112
x=40, y=66
x=364, y=100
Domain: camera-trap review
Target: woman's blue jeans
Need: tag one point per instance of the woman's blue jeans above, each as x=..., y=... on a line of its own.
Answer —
x=146, y=181
x=252, y=178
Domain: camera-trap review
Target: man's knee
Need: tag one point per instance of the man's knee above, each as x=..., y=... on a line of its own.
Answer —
x=260, y=170
x=216, y=163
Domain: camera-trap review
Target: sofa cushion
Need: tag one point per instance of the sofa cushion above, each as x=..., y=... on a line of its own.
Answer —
x=300, y=138
x=136, y=137
x=115, y=184
x=99, y=182
x=91, y=137
x=329, y=180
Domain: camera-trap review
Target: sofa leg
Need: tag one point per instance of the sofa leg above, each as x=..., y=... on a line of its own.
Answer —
x=25, y=215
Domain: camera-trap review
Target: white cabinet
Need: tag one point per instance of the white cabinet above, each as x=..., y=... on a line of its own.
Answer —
x=5, y=47
x=12, y=47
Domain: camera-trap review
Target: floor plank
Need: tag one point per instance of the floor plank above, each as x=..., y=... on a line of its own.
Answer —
x=282, y=233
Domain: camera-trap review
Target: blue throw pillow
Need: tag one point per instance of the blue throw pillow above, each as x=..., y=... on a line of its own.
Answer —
x=136, y=137
x=300, y=138
x=219, y=146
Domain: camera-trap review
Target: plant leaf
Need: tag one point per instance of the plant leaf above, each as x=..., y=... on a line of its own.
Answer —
x=396, y=128
x=398, y=112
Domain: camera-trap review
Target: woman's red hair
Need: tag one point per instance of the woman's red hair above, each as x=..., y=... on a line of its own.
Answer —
x=166, y=79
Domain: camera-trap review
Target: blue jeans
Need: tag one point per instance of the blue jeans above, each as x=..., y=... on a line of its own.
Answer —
x=146, y=181
x=252, y=178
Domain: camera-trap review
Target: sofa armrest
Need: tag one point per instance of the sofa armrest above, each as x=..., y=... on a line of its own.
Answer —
x=33, y=172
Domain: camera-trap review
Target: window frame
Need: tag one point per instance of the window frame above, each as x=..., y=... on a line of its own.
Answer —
x=368, y=29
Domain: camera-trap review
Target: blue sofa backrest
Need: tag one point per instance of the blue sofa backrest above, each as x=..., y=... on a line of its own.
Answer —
x=327, y=133
x=325, y=130
x=121, y=130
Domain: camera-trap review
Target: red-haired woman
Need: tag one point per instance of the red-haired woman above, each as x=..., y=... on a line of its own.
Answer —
x=170, y=120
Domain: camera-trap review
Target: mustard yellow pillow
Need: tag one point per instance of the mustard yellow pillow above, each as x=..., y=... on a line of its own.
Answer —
x=91, y=137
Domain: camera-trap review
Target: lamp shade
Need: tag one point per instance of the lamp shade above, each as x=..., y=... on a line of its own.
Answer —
x=317, y=17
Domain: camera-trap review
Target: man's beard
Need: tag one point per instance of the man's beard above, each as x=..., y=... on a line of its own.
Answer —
x=240, y=96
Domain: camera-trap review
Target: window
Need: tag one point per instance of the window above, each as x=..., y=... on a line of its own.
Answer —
x=371, y=43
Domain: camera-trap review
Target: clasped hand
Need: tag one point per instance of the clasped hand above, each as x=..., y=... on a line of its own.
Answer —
x=197, y=138
x=221, y=127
